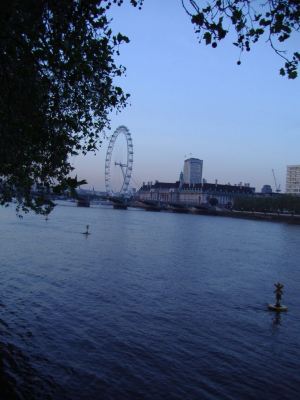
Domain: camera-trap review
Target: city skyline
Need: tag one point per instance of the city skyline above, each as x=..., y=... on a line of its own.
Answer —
x=242, y=121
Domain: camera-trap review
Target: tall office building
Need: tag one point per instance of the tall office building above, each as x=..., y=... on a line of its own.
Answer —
x=192, y=171
x=293, y=179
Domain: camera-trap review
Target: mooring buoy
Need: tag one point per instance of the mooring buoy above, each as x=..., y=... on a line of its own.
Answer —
x=87, y=231
x=278, y=295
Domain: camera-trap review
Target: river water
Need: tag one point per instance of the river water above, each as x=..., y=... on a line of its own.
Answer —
x=149, y=306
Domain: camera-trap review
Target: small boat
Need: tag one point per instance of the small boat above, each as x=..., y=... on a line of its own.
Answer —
x=273, y=307
x=120, y=206
x=83, y=202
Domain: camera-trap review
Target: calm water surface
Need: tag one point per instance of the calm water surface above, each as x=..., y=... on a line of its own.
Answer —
x=149, y=306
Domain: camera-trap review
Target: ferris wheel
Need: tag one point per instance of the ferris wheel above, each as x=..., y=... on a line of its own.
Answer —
x=125, y=165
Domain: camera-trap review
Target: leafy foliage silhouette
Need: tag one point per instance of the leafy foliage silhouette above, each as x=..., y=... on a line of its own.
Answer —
x=276, y=203
x=56, y=92
x=274, y=20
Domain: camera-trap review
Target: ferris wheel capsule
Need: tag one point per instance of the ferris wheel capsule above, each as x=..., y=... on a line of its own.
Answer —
x=126, y=167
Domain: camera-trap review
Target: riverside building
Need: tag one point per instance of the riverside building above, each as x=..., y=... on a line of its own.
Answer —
x=293, y=179
x=193, y=195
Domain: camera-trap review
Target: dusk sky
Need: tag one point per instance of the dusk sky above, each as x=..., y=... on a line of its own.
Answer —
x=189, y=99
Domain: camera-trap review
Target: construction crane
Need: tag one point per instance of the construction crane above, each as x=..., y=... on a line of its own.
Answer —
x=277, y=187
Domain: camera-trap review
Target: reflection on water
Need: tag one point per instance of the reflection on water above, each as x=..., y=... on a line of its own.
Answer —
x=149, y=306
x=277, y=318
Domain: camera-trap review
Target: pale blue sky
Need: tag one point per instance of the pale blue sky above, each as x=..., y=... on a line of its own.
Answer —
x=188, y=98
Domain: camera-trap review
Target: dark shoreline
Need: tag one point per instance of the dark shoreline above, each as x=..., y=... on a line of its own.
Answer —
x=253, y=215
x=272, y=217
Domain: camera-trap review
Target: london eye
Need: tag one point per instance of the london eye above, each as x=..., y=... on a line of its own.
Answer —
x=123, y=163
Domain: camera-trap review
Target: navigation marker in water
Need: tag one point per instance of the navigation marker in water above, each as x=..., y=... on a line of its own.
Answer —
x=278, y=295
x=87, y=231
